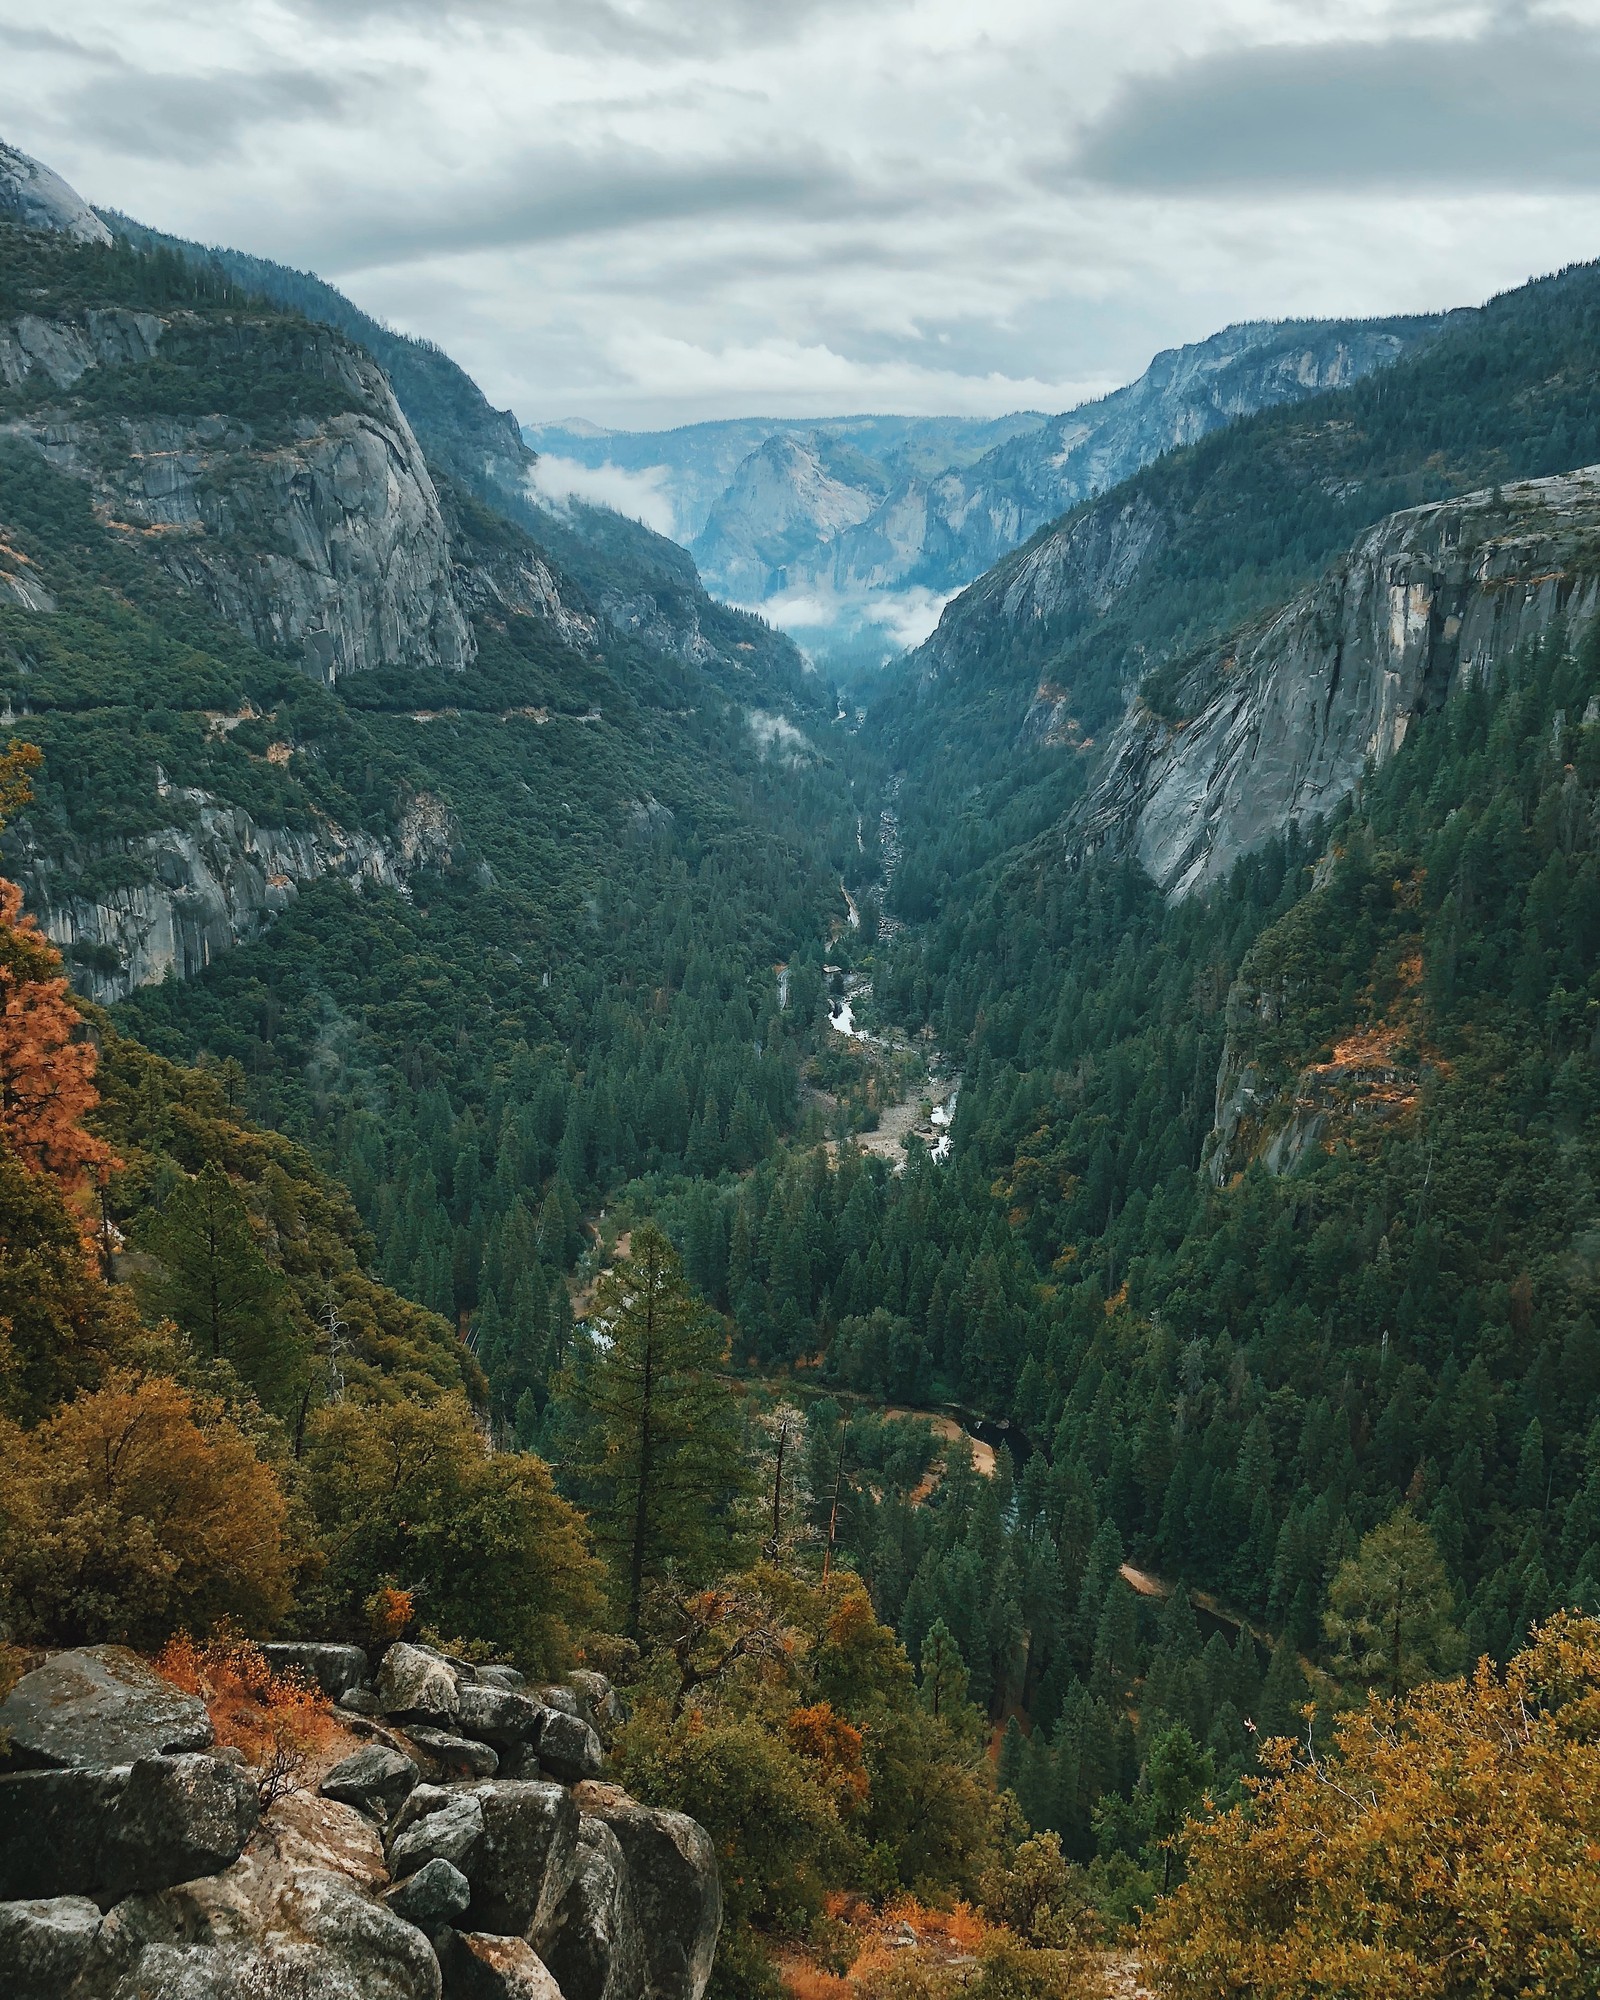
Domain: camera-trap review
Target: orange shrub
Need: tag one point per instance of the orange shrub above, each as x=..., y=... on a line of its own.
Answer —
x=827, y=1739
x=280, y=1721
x=810, y=1982
x=389, y=1611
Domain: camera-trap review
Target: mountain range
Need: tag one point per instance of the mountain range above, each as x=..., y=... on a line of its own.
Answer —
x=853, y=523
x=1152, y=1026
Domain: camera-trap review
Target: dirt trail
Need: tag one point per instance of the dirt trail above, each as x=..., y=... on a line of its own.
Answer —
x=948, y=1428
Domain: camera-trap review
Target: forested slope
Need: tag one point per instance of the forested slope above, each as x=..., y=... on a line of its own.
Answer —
x=512, y=891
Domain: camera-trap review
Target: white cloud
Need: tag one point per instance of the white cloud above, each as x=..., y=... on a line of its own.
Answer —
x=905, y=617
x=653, y=211
x=776, y=737
x=639, y=495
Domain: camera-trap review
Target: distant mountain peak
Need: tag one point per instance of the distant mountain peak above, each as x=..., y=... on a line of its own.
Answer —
x=32, y=194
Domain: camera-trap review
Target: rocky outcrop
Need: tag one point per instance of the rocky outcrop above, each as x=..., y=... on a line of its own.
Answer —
x=673, y=1873
x=156, y=1877
x=36, y=198
x=212, y=880
x=1278, y=725
x=783, y=506
x=113, y=1830
x=98, y=1705
x=327, y=545
x=44, y=1944
x=417, y=1685
x=1077, y=572
x=375, y=1780
x=518, y=581
x=594, y=1939
x=323, y=541
x=335, y=1669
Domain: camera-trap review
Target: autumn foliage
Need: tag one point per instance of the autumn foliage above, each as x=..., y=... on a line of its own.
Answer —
x=135, y=1511
x=280, y=1721
x=46, y=1063
x=835, y=1746
x=1445, y=1849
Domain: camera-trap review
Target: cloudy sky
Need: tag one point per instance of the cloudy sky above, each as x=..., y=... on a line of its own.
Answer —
x=652, y=211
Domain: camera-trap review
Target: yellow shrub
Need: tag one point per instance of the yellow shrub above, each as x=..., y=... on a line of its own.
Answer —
x=1447, y=1849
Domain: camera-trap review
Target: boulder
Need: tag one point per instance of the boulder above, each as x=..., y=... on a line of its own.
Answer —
x=556, y=1696
x=305, y=1831
x=424, y=1799
x=360, y=1701
x=673, y=1870
x=477, y=1966
x=123, y=1828
x=417, y=1685
x=453, y=1833
x=501, y=1677
x=593, y=1943
x=525, y=1863
x=569, y=1749
x=98, y=1705
x=500, y=1716
x=437, y=1893
x=335, y=1669
x=603, y=1707
x=455, y=1756
x=261, y=1929
x=43, y=1945
x=375, y=1780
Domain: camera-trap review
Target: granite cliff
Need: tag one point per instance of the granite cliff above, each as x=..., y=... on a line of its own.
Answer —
x=1277, y=723
x=321, y=538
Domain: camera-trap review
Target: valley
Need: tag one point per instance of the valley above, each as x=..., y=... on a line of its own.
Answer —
x=971, y=1244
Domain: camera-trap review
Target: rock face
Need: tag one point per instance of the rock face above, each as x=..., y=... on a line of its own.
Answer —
x=335, y=1669
x=453, y=1833
x=1076, y=572
x=117, y=1829
x=260, y=1928
x=672, y=1868
x=782, y=505
x=436, y=1894
x=479, y=1966
x=30, y=194
x=525, y=1863
x=207, y=883
x=417, y=1685
x=376, y=1780
x=504, y=1717
x=326, y=544
x=1279, y=725
x=569, y=1749
x=98, y=1705
x=593, y=1941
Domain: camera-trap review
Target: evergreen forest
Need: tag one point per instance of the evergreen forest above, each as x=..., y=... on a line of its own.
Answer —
x=1014, y=1375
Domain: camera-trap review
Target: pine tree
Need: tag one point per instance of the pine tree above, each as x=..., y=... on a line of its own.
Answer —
x=660, y=1442
x=1390, y=1617
x=215, y=1282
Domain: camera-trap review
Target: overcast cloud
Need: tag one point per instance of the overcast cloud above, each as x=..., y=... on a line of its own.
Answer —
x=654, y=211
